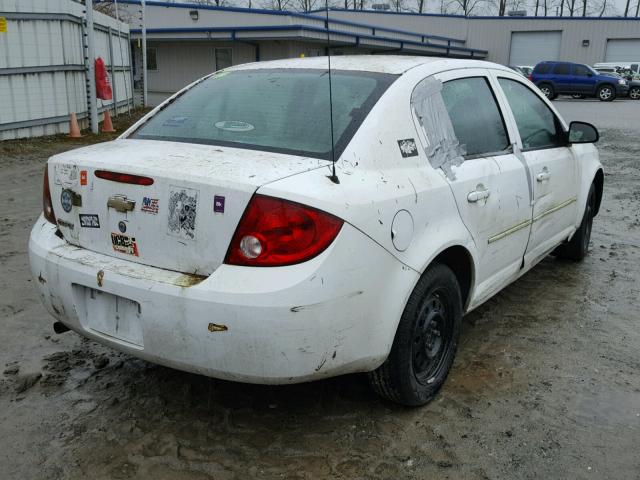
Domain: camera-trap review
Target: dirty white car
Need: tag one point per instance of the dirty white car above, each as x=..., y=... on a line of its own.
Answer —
x=214, y=237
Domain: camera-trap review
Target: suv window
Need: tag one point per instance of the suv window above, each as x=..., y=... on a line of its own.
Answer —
x=475, y=116
x=582, y=71
x=538, y=126
x=562, y=69
x=542, y=68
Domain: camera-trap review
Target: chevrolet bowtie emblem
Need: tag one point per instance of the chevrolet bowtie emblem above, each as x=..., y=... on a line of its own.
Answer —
x=121, y=204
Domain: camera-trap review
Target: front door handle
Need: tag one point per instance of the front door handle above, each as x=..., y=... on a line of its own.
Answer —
x=479, y=194
x=543, y=175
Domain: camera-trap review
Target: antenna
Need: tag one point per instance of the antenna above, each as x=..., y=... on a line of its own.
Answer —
x=333, y=177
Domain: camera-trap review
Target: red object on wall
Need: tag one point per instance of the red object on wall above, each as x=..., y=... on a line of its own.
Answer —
x=103, y=84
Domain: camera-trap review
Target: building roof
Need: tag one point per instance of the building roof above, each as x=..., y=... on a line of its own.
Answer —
x=173, y=21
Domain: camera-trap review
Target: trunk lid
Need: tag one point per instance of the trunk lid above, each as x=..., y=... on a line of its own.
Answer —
x=184, y=221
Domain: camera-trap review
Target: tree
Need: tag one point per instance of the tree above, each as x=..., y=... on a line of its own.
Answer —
x=467, y=7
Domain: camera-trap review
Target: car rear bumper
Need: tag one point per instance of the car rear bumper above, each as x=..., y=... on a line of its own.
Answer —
x=334, y=314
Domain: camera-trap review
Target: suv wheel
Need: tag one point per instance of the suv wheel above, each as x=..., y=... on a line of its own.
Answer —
x=606, y=93
x=634, y=93
x=547, y=90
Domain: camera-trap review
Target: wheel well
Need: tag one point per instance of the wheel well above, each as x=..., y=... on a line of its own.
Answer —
x=458, y=259
x=606, y=84
x=598, y=181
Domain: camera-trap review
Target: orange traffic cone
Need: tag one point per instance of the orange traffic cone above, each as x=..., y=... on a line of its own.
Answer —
x=107, y=126
x=74, y=129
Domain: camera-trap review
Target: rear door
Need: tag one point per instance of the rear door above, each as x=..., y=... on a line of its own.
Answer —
x=562, y=79
x=551, y=163
x=490, y=186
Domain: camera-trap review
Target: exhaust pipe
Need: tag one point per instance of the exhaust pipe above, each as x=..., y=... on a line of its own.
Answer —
x=60, y=327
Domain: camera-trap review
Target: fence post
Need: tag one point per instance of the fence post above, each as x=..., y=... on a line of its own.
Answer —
x=91, y=72
x=113, y=72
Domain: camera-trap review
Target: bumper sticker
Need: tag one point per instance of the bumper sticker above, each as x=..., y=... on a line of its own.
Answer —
x=89, y=220
x=124, y=244
x=83, y=177
x=183, y=203
x=64, y=223
x=65, y=174
x=150, y=205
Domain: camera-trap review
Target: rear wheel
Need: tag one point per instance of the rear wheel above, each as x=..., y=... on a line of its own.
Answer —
x=425, y=343
x=606, y=93
x=634, y=93
x=578, y=247
x=547, y=90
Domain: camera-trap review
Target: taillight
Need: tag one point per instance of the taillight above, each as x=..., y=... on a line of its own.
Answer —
x=47, y=206
x=531, y=77
x=275, y=232
x=124, y=177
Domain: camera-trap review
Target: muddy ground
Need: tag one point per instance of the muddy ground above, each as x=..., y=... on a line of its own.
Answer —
x=546, y=383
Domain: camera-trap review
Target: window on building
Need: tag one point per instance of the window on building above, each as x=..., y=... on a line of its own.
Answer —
x=538, y=126
x=152, y=59
x=223, y=58
x=475, y=116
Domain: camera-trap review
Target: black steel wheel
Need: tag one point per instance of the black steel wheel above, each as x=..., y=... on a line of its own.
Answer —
x=426, y=341
x=578, y=247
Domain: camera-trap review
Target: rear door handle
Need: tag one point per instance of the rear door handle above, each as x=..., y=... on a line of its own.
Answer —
x=479, y=194
x=543, y=175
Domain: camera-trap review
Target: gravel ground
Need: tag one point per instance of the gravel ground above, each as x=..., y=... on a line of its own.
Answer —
x=545, y=384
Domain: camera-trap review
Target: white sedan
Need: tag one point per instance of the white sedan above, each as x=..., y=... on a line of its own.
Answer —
x=231, y=233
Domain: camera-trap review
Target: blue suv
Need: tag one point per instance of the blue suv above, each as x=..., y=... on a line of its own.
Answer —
x=555, y=78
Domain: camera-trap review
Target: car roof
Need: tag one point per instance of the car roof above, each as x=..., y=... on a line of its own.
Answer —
x=393, y=64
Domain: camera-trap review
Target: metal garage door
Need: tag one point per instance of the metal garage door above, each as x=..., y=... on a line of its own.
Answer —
x=627, y=50
x=529, y=48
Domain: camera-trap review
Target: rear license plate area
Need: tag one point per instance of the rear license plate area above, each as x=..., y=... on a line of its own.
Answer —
x=112, y=316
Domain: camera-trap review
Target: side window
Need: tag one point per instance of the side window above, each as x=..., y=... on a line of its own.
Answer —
x=475, y=116
x=561, y=69
x=542, y=68
x=581, y=71
x=538, y=126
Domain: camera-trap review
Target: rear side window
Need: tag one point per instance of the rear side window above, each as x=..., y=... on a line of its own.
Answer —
x=276, y=110
x=475, y=116
x=538, y=126
x=562, y=69
x=542, y=68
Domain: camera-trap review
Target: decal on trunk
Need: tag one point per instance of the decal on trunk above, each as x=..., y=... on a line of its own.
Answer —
x=83, y=177
x=89, y=220
x=64, y=223
x=183, y=203
x=124, y=244
x=218, y=204
x=150, y=205
x=65, y=174
x=408, y=147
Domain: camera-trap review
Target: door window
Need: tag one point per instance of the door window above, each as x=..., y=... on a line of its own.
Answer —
x=561, y=69
x=538, y=126
x=475, y=116
x=582, y=71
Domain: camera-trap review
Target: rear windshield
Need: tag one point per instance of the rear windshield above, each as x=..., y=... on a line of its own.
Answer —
x=279, y=110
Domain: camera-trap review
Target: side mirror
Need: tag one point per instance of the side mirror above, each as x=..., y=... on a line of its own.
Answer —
x=582, y=132
x=589, y=74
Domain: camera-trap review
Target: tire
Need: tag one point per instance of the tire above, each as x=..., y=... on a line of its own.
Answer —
x=578, y=247
x=425, y=343
x=606, y=93
x=634, y=93
x=547, y=90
